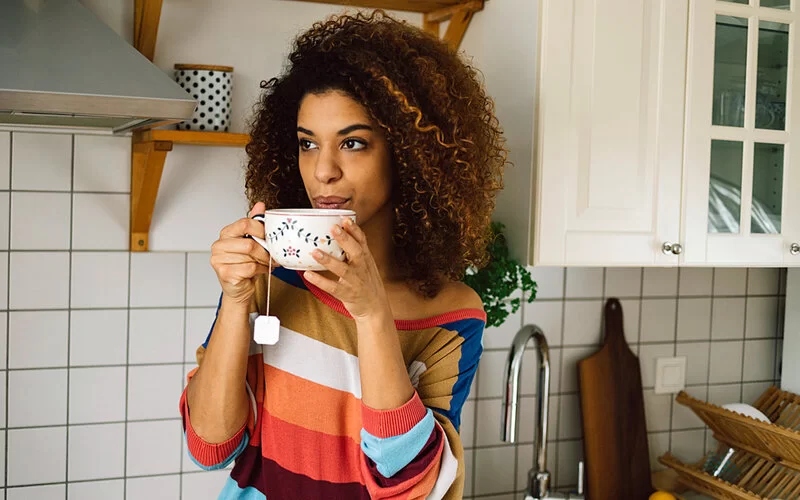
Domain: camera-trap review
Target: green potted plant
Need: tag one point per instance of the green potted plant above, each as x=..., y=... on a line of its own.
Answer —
x=499, y=279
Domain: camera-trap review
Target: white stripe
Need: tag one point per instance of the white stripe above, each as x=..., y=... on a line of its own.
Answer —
x=447, y=472
x=315, y=361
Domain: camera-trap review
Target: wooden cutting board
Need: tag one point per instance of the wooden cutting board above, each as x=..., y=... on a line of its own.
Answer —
x=614, y=429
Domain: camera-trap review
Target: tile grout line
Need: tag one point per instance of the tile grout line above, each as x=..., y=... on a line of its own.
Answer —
x=69, y=304
x=744, y=333
x=554, y=475
x=675, y=354
x=61, y=191
x=710, y=345
x=8, y=314
x=127, y=382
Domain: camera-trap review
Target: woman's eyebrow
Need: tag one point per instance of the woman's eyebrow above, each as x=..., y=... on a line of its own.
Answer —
x=344, y=131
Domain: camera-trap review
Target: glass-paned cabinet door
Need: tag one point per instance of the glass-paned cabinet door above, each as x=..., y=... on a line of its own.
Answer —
x=742, y=133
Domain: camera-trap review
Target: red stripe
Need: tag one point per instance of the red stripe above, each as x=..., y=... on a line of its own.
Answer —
x=400, y=324
x=319, y=456
x=390, y=423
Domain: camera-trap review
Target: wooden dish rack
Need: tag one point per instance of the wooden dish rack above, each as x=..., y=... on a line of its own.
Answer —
x=759, y=479
x=767, y=455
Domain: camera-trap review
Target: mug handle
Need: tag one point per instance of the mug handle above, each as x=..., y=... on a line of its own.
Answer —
x=260, y=241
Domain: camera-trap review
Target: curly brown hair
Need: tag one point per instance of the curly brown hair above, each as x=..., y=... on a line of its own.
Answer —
x=445, y=144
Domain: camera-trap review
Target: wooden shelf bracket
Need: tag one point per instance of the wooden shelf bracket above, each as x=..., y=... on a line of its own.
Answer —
x=147, y=165
x=459, y=16
x=146, y=16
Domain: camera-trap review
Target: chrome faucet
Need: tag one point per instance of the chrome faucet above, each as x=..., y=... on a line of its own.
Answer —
x=538, y=477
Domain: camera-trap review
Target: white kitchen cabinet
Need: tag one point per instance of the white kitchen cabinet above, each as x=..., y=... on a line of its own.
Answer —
x=609, y=131
x=666, y=122
x=742, y=154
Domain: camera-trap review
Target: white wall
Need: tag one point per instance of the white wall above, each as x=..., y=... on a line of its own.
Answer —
x=502, y=40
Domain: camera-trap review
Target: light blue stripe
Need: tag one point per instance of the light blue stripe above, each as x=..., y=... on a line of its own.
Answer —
x=231, y=491
x=392, y=454
x=239, y=449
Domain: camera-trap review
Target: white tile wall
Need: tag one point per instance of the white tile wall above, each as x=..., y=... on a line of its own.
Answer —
x=41, y=162
x=100, y=341
x=100, y=221
x=5, y=210
x=5, y=159
x=106, y=490
x=40, y=221
x=102, y=164
x=39, y=280
x=96, y=451
x=37, y=339
x=100, y=279
x=27, y=461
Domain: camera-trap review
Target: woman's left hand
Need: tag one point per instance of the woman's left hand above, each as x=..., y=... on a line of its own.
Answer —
x=359, y=287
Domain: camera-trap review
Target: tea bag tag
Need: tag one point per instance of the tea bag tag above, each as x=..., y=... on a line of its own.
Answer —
x=267, y=330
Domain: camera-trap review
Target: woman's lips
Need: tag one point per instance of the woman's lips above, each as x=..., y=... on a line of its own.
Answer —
x=330, y=202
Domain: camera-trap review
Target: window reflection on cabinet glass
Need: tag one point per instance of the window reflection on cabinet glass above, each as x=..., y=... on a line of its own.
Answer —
x=767, y=188
x=773, y=50
x=775, y=4
x=730, y=64
x=725, y=187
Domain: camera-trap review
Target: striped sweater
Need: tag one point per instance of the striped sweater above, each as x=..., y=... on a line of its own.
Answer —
x=309, y=436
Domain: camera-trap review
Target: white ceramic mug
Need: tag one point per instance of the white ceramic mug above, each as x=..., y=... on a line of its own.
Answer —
x=292, y=234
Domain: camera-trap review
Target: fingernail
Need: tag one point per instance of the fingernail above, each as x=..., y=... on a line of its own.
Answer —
x=337, y=230
x=318, y=254
x=348, y=222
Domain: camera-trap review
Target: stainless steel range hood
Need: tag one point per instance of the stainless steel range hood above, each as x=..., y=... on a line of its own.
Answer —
x=60, y=66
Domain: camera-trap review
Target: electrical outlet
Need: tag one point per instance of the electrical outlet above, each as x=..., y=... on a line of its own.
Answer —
x=670, y=375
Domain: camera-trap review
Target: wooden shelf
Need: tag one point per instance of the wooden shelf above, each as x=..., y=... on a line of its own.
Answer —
x=422, y=6
x=149, y=152
x=194, y=138
x=458, y=12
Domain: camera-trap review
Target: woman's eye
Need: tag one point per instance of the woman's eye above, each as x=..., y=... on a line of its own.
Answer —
x=354, y=144
x=305, y=144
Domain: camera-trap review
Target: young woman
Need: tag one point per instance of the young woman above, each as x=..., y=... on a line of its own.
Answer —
x=361, y=397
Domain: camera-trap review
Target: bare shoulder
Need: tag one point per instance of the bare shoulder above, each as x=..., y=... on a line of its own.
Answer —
x=457, y=295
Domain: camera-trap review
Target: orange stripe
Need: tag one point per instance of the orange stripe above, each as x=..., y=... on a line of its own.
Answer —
x=321, y=457
x=298, y=401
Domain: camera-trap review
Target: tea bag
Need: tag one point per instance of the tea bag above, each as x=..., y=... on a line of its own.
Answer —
x=267, y=328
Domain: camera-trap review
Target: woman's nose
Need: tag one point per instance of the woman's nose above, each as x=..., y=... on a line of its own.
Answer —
x=327, y=168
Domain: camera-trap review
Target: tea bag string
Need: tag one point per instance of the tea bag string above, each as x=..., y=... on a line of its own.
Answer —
x=269, y=283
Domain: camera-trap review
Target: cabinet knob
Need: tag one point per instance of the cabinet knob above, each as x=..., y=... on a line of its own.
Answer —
x=677, y=249
x=794, y=249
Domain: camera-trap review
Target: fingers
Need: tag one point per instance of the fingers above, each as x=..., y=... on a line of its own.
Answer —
x=355, y=231
x=258, y=208
x=242, y=227
x=321, y=282
x=236, y=273
x=241, y=248
x=345, y=235
x=332, y=264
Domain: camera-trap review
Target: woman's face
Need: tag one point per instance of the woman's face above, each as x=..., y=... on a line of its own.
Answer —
x=343, y=155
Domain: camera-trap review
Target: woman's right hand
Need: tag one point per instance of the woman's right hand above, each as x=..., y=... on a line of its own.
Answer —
x=238, y=260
